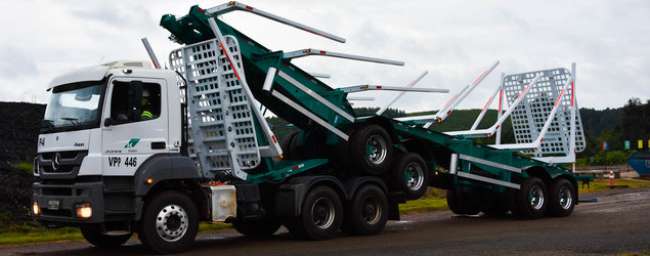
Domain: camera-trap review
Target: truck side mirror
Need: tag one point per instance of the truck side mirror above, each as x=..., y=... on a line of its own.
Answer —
x=108, y=122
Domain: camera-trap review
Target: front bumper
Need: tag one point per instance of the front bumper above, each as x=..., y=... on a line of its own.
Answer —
x=58, y=202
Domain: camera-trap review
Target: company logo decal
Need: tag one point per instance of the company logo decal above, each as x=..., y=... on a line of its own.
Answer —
x=132, y=142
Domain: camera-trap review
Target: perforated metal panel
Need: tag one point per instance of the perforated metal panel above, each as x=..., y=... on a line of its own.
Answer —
x=529, y=117
x=221, y=119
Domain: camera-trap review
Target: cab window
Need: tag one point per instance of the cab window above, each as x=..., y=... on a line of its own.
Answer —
x=135, y=101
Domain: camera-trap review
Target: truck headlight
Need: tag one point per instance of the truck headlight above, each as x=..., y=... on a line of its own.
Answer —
x=35, y=209
x=35, y=166
x=84, y=211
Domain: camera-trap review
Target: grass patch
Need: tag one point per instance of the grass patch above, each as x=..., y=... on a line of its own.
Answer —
x=423, y=205
x=206, y=226
x=24, y=166
x=433, y=200
x=25, y=234
x=39, y=234
x=603, y=184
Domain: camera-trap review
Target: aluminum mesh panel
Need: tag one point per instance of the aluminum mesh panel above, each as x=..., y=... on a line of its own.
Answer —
x=221, y=119
x=528, y=118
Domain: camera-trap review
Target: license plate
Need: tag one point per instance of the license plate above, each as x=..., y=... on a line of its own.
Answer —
x=53, y=204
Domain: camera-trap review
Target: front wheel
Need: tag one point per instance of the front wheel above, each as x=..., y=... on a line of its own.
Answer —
x=169, y=223
x=94, y=235
x=563, y=198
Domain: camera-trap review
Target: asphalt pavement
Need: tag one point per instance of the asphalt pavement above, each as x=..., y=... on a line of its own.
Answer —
x=619, y=222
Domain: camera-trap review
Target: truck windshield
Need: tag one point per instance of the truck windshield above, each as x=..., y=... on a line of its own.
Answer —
x=73, y=107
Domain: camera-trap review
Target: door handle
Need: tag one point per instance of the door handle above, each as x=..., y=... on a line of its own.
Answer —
x=158, y=145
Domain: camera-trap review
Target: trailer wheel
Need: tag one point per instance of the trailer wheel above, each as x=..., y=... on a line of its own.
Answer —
x=169, y=223
x=289, y=145
x=496, y=208
x=367, y=213
x=263, y=228
x=563, y=199
x=411, y=175
x=531, y=199
x=371, y=149
x=321, y=215
x=93, y=234
x=460, y=205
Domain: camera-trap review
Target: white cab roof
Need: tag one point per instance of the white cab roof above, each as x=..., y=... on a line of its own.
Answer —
x=97, y=73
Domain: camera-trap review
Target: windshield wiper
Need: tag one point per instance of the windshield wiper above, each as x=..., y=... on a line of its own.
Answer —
x=74, y=121
x=47, y=124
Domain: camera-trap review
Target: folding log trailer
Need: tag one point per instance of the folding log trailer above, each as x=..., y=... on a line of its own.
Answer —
x=402, y=155
x=221, y=161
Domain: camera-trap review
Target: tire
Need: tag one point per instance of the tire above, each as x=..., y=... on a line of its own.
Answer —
x=289, y=146
x=497, y=207
x=367, y=213
x=320, y=217
x=531, y=199
x=371, y=150
x=300, y=145
x=460, y=205
x=263, y=228
x=411, y=175
x=169, y=223
x=94, y=235
x=563, y=198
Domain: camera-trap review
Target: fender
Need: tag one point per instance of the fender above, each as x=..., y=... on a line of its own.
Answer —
x=161, y=167
x=288, y=199
x=352, y=185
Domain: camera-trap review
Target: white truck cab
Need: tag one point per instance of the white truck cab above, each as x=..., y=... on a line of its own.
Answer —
x=117, y=115
x=109, y=134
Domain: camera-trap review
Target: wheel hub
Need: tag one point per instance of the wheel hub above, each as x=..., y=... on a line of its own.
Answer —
x=414, y=176
x=536, y=197
x=376, y=149
x=371, y=212
x=172, y=223
x=566, y=198
x=323, y=213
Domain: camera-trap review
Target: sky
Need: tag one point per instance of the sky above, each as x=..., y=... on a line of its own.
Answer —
x=453, y=40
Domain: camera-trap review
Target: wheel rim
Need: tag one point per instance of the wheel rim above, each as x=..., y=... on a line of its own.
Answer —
x=566, y=197
x=376, y=149
x=414, y=176
x=172, y=223
x=323, y=213
x=536, y=197
x=372, y=211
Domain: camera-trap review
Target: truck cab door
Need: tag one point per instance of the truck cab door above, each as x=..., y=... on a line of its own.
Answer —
x=135, y=124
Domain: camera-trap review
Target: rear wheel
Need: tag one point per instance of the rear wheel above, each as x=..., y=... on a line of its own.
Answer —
x=320, y=217
x=459, y=203
x=496, y=205
x=169, y=223
x=562, y=198
x=531, y=199
x=94, y=235
x=262, y=228
x=289, y=145
x=411, y=175
x=373, y=146
x=367, y=213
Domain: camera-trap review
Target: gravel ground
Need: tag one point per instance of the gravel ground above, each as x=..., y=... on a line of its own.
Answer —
x=617, y=223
